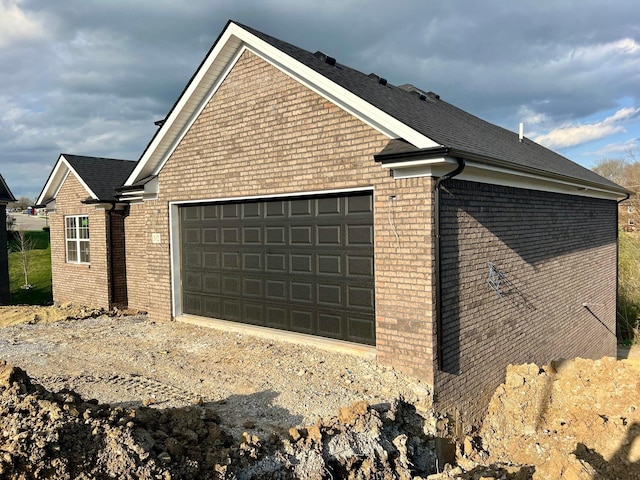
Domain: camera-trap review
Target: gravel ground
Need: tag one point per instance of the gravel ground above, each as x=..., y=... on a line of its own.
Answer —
x=257, y=385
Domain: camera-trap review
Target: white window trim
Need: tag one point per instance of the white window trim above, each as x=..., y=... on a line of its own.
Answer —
x=77, y=240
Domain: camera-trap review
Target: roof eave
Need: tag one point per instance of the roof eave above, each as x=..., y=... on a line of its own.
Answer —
x=413, y=158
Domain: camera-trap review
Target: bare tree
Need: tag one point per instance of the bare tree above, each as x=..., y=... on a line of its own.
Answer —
x=11, y=221
x=24, y=245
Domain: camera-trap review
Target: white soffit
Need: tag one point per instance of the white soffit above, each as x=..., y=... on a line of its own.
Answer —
x=214, y=70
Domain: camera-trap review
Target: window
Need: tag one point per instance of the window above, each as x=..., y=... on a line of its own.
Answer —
x=77, y=238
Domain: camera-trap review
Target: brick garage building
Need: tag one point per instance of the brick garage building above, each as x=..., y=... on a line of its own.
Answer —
x=5, y=197
x=286, y=190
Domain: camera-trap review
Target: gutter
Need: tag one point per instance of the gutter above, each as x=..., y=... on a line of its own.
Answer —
x=437, y=259
x=441, y=151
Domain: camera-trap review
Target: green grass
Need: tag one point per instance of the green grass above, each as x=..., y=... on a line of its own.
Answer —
x=39, y=272
x=628, y=287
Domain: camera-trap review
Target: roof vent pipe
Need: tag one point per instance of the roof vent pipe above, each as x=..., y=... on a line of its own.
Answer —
x=520, y=132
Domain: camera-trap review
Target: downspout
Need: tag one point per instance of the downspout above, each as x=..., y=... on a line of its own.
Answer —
x=437, y=259
x=110, y=255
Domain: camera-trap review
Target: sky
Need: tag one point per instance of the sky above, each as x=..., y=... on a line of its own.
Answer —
x=90, y=77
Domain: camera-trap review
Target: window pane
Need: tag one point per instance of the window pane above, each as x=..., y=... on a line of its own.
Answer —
x=72, y=251
x=84, y=252
x=83, y=227
x=71, y=227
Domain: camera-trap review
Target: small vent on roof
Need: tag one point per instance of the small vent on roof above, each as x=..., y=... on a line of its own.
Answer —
x=325, y=58
x=159, y=123
x=378, y=78
x=421, y=94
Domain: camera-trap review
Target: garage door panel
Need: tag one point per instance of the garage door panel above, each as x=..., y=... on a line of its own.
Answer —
x=252, y=261
x=253, y=313
x=211, y=283
x=329, y=264
x=210, y=260
x=301, y=207
x=328, y=206
x=210, y=235
x=359, y=265
x=329, y=235
x=302, y=321
x=303, y=264
x=276, y=317
x=252, y=287
x=360, y=235
x=252, y=210
x=330, y=295
x=360, y=204
x=212, y=307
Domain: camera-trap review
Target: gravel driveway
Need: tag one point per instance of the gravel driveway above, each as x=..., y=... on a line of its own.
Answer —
x=257, y=385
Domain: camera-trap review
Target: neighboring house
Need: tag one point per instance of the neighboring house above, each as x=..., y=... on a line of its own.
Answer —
x=5, y=197
x=286, y=190
x=628, y=214
x=87, y=230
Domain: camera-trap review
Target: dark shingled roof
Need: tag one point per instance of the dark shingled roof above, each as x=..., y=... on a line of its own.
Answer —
x=440, y=121
x=5, y=193
x=102, y=175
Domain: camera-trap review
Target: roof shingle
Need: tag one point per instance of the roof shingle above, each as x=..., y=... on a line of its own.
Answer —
x=102, y=175
x=441, y=121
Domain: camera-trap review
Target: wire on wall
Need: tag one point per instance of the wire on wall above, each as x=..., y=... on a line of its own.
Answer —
x=391, y=218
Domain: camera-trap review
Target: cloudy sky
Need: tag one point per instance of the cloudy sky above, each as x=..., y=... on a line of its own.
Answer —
x=90, y=77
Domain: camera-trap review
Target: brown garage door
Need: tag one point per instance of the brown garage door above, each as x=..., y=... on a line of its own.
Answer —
x=298, y=264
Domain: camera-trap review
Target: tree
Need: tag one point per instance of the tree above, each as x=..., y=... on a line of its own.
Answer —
x=24, y=245
x=626, y=172
x=22, y=203
x=612, y=168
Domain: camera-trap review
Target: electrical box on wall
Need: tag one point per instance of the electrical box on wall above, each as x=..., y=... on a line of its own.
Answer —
x=156, y=238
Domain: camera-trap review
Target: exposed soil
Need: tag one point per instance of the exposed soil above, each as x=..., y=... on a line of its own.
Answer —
x=123, y=397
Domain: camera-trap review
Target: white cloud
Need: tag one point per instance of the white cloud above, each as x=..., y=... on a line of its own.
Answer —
x=571, y=135
x=16, y=24
x=618, y=149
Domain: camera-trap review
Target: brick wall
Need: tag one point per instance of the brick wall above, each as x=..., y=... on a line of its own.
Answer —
x=118, y=258
x=4, y=260
x=557, y=253
x=136, y=246
x=264, y=134
x=75, y=283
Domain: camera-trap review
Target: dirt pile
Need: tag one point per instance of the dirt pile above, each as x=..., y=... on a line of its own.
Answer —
x=32, y=314
x=61, y=436
x=577, y=419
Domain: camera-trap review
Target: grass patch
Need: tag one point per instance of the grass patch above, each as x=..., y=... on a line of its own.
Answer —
x=39, y=272
x=628, y=307
x=40, y=239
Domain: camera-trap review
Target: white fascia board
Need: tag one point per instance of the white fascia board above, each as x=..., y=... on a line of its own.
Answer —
x=490, y=174
x=214, y=70
x=57, y=178
x=477, y=172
